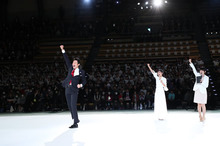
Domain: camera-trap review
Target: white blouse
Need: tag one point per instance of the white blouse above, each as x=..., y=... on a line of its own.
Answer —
x=159, y=85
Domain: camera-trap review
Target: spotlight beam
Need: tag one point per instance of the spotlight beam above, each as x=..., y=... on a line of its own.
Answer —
x=157, y=3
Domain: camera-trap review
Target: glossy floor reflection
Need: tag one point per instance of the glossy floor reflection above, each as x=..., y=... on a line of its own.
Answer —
x=111, y=128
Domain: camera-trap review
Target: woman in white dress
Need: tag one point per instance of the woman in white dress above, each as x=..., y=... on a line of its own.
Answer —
x=160, y=106
x=200, y=96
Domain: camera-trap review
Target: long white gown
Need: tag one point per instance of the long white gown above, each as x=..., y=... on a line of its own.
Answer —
x=160, y=106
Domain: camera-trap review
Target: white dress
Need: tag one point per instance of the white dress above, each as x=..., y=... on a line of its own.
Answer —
x=160, y=106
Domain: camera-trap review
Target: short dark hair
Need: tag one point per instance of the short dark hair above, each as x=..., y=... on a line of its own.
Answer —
x=77, y=59
x=202, y=68
x=161, y=70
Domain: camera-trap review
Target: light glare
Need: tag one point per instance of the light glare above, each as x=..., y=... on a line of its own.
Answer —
x=87, y=1
x=157, y=3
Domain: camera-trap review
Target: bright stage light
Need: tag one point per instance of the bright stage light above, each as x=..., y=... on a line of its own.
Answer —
x=165, y=2
x=157, y=3
x=138, y=4
x=87, y=1
x=146, y=3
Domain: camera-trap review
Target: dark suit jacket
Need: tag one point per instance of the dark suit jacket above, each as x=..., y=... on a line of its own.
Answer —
x=78, y=79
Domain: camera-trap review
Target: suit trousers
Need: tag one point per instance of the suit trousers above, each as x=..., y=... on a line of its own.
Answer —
x=71, y=98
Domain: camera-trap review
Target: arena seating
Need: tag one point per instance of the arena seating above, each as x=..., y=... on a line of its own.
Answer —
x=214, y=47
x=49, y=48
x=154, y=50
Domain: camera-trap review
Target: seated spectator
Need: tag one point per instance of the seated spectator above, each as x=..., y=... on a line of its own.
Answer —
x=20, y=103
x=121, y=101
x=109, y=101
x=149, y=101
x=115, y=100
x=171, y=99
x=103, y=101
x=127, y=99
x=97, y=99
x=85, y=99
x=135, y=100
x=141, y=101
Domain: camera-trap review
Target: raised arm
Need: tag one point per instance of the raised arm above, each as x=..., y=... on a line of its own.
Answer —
x=68, y=64
x=193, y=68
x=152, y=71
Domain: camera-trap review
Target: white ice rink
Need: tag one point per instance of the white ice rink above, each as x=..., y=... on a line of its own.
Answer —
x=110, y=128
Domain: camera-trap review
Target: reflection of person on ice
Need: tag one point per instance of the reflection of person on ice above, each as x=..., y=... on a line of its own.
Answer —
x=72, y=85
x=160, y=106
x=200, y=96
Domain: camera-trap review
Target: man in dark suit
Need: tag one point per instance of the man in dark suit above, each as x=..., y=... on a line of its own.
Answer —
x=75, y=79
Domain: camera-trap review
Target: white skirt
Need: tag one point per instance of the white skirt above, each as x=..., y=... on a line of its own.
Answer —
x=160, y=106
x=200, y=97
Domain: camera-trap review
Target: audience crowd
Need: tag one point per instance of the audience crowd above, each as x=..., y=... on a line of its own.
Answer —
x=111, y=86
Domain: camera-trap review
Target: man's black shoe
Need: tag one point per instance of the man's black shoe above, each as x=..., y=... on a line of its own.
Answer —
x=74, y=126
